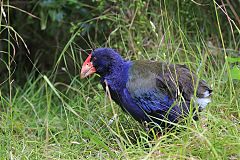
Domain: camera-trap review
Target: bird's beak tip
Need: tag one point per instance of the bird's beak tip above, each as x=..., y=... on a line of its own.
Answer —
x=82, y=76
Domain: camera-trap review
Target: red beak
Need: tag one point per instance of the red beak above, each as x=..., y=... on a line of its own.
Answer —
x=87, y=68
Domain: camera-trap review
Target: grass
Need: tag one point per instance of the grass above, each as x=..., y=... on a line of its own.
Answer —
x=76, y=123
x=49, y=119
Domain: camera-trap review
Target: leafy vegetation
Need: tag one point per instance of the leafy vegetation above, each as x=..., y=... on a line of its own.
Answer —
x=47, y=112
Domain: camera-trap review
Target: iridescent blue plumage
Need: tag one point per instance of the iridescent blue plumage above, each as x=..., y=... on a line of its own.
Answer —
x=149, y=91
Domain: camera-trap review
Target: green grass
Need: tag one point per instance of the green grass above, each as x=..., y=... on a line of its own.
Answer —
x=44, y=122
x=49, y=119
x=74, y=123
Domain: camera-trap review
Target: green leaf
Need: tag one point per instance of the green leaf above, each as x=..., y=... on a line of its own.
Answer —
x=235, y=73
x=233, y=59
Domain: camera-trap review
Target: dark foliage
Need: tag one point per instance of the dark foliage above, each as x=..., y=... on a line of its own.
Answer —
x=92, y=21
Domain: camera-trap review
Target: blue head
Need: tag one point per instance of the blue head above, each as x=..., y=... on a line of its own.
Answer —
x=103, y=61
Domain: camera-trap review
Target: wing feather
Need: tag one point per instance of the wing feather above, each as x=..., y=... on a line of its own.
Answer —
x=156, y=87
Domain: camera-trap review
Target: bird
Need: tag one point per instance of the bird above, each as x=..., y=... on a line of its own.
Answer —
x=154, y=92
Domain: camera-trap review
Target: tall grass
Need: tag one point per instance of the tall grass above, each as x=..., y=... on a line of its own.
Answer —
x=49, y=119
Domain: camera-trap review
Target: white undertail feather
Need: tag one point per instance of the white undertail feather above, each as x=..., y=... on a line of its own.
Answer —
x=206, y=94
x=202, y=102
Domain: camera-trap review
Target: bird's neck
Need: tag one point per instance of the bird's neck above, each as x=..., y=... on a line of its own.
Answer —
x=118, y=76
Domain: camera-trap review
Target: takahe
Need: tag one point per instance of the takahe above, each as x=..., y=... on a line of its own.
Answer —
x=149, y=91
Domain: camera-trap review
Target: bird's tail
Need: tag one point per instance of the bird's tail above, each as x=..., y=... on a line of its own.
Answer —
x=203, y=101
